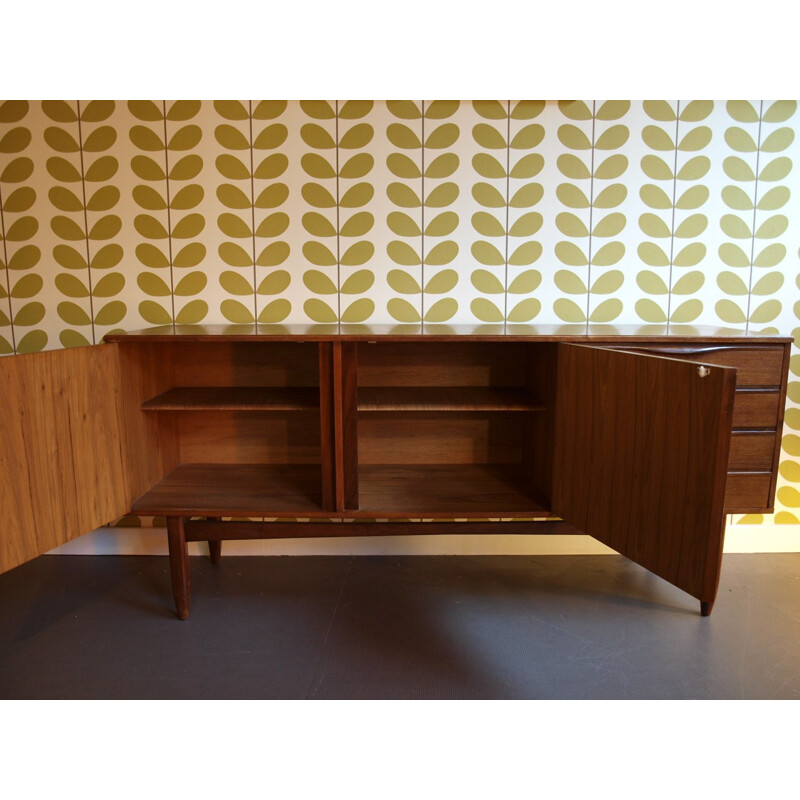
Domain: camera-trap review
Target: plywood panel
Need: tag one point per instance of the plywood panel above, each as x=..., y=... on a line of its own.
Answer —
x=442, y=364
x=427, y=437
x=150, y=441
x=245, y=363
x=231, y=437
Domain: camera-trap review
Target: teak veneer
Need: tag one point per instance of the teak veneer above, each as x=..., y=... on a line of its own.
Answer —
x=641, y=437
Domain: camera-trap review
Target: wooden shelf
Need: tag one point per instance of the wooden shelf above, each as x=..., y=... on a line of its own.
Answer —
x=430, y=490
x=235, y=490
x=446, y=398
x=235, y=398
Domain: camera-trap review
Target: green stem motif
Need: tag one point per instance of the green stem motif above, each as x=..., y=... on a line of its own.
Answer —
x=86, y=222
x=252, y=204
x=584, y=171
x=755, y=143
x=4, y=350
x=349, y=133
x=494, y=194
x=149, y=138
x=435, y=194
x=675, y=214
x=18, y=229
x=87, y=169
x=169, y=213
x=755, y=213
x=253, y=215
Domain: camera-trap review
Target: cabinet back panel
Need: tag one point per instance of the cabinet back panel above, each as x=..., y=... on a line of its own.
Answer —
x=150, y=441
x=434, y=438
x=245, y=364
x=442, y=364
x=231, y=437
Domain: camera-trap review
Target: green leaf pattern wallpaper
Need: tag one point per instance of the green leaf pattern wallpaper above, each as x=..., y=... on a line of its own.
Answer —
x=119, y=215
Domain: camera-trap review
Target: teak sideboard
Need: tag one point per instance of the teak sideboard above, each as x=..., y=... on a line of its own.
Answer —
x=643, y=438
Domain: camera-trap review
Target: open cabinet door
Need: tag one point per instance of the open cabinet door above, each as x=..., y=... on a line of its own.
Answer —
x=61, y=466
x=641, y=453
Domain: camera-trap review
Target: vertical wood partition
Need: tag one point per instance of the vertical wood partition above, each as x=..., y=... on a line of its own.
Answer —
x=345, y=372
x=327, y=426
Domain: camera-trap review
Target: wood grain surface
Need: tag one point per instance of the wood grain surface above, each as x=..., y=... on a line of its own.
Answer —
x=345, y=407
x=756, y=408
x=235, y=398
x=229, y=490
x=446, y=398
x=641, y=455
x=431, y=332
x=431, y=490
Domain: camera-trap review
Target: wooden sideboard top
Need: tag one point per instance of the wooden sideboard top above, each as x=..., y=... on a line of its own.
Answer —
x=441, y=332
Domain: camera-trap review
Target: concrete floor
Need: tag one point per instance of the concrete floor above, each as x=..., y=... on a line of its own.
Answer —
x=584, y=627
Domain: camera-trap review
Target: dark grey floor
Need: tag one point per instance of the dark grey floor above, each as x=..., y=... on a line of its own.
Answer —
x=396, y=627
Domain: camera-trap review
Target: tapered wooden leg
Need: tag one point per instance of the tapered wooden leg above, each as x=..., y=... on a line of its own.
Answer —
x=215, y=547
x=705, y=608
x=179, y=565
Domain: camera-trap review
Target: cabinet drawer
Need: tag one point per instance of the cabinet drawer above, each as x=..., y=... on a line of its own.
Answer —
x=759, y=365
x=747, y=492
x=756, y=409
x=752, y=451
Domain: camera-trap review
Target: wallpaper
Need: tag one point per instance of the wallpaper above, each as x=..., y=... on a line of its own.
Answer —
x=119, y=215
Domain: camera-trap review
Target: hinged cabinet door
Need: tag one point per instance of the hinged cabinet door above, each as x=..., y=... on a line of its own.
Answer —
x=60, y=449
x=641, y=454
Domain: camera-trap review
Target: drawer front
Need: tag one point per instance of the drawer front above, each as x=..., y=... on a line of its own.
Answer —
x=747, y=493
x=758, y=365
x=756, y=409
x=751, y=451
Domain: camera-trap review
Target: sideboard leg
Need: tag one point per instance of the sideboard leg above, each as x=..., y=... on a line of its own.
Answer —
x=179, y=565
x=705, y=608
x=215, y=546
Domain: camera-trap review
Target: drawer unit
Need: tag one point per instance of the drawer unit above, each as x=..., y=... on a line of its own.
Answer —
x=753, y=409
x=752, y=451
x=748, y=491
x=756, y=365
x=757, y=412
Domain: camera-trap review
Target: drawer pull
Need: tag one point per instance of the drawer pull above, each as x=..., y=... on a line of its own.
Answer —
x=687, y=350
x=703, y=371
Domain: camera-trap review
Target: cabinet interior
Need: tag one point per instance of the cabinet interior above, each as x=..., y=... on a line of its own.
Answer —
x=439, y=428
x=244, y=420
x=454, y=427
